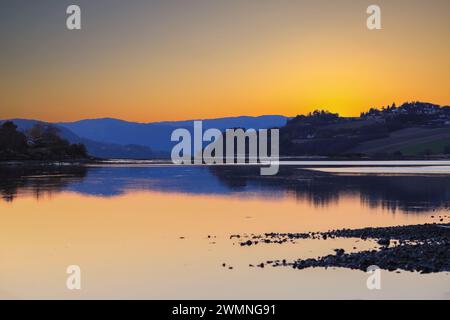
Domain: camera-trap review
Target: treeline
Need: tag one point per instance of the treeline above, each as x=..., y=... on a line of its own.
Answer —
x=41, y=142
x=326, y=134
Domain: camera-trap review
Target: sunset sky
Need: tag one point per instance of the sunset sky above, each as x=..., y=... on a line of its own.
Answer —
x=182, y=59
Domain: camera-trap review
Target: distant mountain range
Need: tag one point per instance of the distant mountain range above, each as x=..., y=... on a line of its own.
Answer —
x=413, y=129
x=113, y=138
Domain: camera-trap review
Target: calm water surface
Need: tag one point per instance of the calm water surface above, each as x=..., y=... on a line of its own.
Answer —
x=163, y=232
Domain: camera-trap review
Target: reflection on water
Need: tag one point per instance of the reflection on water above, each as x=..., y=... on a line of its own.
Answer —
x=38, y=181
x=164, y=232
x=393, y=192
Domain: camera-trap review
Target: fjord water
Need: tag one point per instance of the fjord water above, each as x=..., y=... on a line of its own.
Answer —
x=163, y=232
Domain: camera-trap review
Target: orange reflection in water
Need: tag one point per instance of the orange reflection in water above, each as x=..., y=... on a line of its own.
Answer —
x=156, y=245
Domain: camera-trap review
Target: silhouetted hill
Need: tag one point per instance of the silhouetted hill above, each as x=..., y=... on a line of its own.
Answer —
x=95, y=148
x=413, y=129
x=39, y=142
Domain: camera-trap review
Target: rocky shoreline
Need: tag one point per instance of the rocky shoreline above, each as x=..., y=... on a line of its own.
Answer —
x=423, y=248
x=424, y=258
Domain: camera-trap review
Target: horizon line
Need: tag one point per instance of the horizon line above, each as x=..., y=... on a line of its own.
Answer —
x=205, y=119
x=155, y=122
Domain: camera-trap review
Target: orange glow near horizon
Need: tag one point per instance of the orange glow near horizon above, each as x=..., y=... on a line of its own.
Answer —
x=196, y=59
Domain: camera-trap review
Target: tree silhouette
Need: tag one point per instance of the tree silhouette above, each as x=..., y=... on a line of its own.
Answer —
x=11, y=139
x=43, y=143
